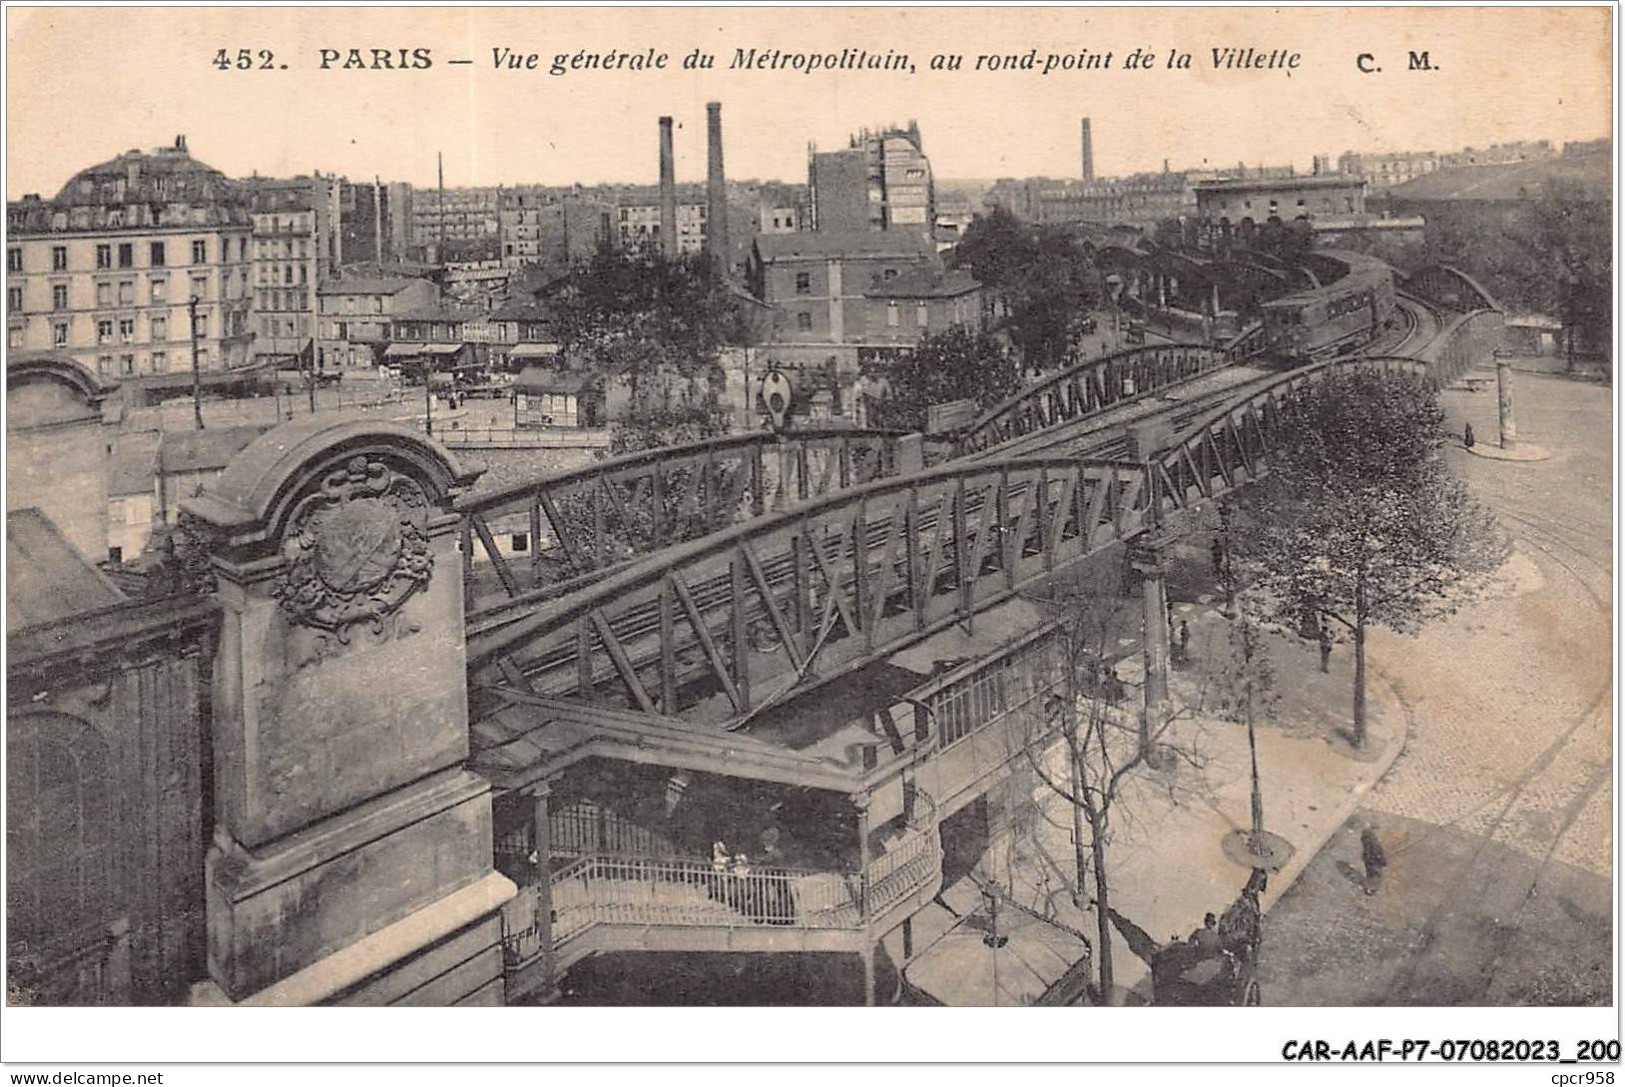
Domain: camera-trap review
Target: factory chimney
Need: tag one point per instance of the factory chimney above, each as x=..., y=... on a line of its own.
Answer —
x=668, y=191
x=716, y=194
x=1088, y=153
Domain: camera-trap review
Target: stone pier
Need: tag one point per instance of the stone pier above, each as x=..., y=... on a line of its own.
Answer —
x=351, y=860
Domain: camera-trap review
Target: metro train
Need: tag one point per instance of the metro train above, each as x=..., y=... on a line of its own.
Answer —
x=1336, y=318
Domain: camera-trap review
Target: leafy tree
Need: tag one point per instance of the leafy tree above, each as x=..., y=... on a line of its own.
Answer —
x=653, y=322
x=1047, y=281
x=955, y=364
x=1358, y=520
x=1550, y=253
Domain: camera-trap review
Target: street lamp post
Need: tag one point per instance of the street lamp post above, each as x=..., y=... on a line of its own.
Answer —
x=197, y=377
x=428, y=402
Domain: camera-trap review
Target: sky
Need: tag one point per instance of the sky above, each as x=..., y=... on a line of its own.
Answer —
x=86, y=84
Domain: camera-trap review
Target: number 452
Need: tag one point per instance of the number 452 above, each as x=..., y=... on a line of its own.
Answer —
x=244, y=59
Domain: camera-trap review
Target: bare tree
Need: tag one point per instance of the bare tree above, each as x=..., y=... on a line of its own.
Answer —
x=1100, y=732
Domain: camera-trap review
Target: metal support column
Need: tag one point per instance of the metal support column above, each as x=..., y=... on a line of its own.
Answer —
x=1147, y=560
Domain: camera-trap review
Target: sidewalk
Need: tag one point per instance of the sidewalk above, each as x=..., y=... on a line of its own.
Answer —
x=1165, y=860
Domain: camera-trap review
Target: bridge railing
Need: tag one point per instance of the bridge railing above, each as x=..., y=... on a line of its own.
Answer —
x=1089, y=387
x=752, y=611
x=539, y=537
x=1226, y=447
x=607, y=889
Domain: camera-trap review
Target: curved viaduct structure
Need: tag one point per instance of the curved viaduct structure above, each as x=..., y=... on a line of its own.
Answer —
x=361, y=576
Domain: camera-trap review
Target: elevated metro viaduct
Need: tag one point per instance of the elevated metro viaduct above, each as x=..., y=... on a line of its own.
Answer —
x=384, y=834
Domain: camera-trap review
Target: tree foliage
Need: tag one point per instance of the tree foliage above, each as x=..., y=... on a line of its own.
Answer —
x=1046, y=280
x=651, y=321
x=1551, y=254
x=955, y=364
x=1359, y=520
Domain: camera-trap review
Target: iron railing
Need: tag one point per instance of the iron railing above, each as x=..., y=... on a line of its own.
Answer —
x=604, y=889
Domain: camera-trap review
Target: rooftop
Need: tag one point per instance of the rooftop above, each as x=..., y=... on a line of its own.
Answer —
x=1311, y=181
x=925, y=283
x=367, y=285
x=203, y=450
x=46, y=579
x=439, y=312
x=823, y=244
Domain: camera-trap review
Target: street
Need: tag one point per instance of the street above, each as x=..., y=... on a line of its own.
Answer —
x=1496, y=819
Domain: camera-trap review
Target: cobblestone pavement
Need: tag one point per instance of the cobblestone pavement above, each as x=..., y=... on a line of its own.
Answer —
x=1498, y=816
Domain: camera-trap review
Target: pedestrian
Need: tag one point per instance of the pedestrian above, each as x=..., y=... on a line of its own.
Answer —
x=1325, y=639
x=1207, y=937
x=1467, y=436
x=1184, y=640
x=1373, y=856
x=1216, y=550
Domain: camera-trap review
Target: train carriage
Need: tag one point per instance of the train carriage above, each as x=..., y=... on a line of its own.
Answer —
x=1336, y=318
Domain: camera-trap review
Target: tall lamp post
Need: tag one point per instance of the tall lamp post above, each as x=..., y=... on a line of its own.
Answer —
x=428, y=401
x=197, y=377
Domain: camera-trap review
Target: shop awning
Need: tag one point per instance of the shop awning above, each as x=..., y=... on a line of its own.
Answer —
x=534, y=351
x=420, y=350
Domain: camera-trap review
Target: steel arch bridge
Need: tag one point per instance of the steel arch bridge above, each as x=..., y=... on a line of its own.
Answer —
x=783, y=562
x=790, y=599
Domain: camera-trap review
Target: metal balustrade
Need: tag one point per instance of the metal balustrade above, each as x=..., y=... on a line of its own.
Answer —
x=848, y=578
x=608, y=890
x=577, y=524
x=1089, y=387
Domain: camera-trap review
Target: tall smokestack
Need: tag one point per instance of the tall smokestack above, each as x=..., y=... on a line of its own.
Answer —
x=1088, y=153
x=668, y=191
x=716, y=194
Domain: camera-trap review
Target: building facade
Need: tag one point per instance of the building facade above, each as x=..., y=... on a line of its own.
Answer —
x=881, y=181
x=1238, y=200
x=456, y=215
x=355, y=316
x=540, y=227
x=296, y=224
x=104, y=272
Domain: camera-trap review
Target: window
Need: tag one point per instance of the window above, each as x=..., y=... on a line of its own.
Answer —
x=61, y=820
x=59, y=258
x=200, y=251
x=804, y=321
x=200, y=325
x=115, y=555
x=59, y=296
x=200, y=287
x=126, y=364
x=242, y=248
x=126, y=255
x=159, y=257
x=14, y=259
x=160, y=362
x=104, y=331
x=803, y=282
x=891, y=273
x=921, y=315
x=521, y=542
x=126, y=292
x=14, y=298
x=59, y=334
x=891, y=315
x=104, y=294
x=126, y=330
x=160, y=289
x=104, y=364
x=104, y=256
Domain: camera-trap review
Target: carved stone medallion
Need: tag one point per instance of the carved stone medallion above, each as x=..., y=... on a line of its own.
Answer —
x=357, y=548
